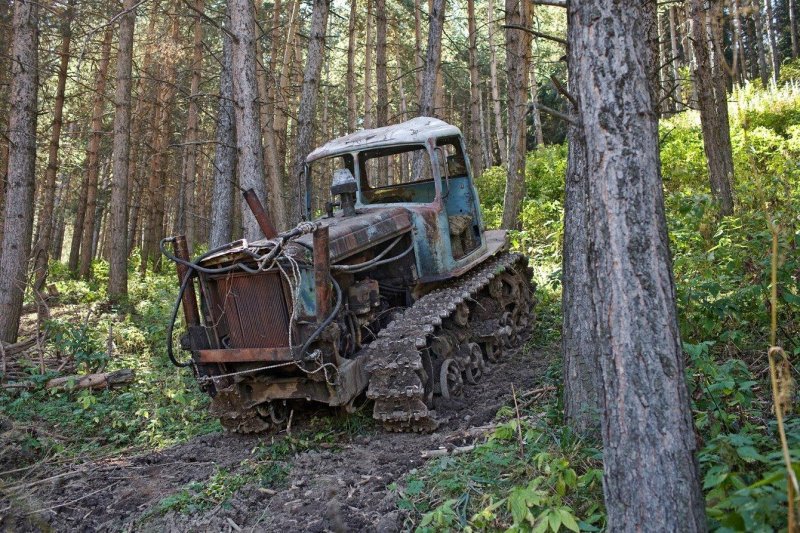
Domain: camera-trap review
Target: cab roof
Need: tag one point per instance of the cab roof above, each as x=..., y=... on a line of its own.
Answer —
x=415, y=131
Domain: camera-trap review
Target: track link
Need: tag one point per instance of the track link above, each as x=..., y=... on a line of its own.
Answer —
x=399, y=382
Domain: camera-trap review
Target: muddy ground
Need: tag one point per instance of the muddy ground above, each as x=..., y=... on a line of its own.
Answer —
x=338, y=486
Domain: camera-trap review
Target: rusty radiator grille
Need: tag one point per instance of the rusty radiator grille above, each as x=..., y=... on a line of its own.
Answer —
x=254, y=309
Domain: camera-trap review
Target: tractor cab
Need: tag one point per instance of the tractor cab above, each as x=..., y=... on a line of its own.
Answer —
x=419, y=166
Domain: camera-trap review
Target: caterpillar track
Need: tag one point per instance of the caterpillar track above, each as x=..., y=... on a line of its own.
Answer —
x=445, y=337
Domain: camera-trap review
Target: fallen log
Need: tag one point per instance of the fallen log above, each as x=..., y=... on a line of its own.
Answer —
x=17, y=347
x=103, y=380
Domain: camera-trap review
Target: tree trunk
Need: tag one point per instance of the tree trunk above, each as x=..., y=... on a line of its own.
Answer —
x=736, y=42
x=518, y=50
x=382, y=84
x=5, y=70
x=763, y=70
x=159, y=161
x=381, y=77
x=475, y=156
x=368, y=123
x=352, y=107
x=250, y=155
x=18, y=219
x=224, y=155
x=308, y=99
x=498, y=116
x=648, y=438
x=792, y=7
x=535, y=114
x=772, y=34
x=118, y=273
x=190, y=149
x=677, y=93
x=93, y=156
x=274, y=168
x=95, y=136
x=282, y=102
x=427, y=102
x=581, y=365
x=419, y=61
x=46, y=213
x=713, y=111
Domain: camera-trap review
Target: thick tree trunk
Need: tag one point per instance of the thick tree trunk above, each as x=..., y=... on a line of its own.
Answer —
x=352, y=107
x=772, y=34
x=713, y=106
x=308, y=99
x=495, y=85
x=46, y=213
x=250, y=155
x=763, y=70
x=118, y=273
x=648, y=439
x=224, y=154
x=18, y=219
x=475, y=156
x=581, y=365
x=427, y=102
x=93, y=157
x=518, y=50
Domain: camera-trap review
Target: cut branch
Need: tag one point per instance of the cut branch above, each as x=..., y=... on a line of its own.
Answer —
x=550, y=111
x=537, y=33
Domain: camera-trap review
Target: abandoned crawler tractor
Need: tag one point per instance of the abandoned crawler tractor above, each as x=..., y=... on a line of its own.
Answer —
x=396, y=290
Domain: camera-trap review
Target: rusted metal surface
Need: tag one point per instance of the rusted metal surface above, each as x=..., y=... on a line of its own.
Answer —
x=496, y=242
x=261, y=215
x=351, y=235
x=415, y=131
x=255, y=309
x=322, y=269
x=246, y=355
x=189, y=299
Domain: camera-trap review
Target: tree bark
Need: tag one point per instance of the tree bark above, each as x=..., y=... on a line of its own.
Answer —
x=95, y=136
x=352, y=107
x=368, y=104
x=518, y=50
x=310, y=92
x=772, y=35
x=677, y=93
x=250, y=155
x=93, y=156
x=475, y=156
x=650, y=472
x=46, y=213
x=118, y=273
x=495, y=86
x=763, y=70
x=433, y=56
x=419, y=61
x=381, y=77
x=282, y=102
x=190, y=148
x=792, y=7
x=713, y=106
x=581, y=365
x=224, y=154
x=18, y=219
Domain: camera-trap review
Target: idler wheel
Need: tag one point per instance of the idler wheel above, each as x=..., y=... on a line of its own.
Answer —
x=450, y=380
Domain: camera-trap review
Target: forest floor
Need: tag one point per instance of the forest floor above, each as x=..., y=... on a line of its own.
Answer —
x=331, y=473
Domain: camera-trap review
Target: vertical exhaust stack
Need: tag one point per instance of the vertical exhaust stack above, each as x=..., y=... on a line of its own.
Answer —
x=261, y=215
x=322, y=284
